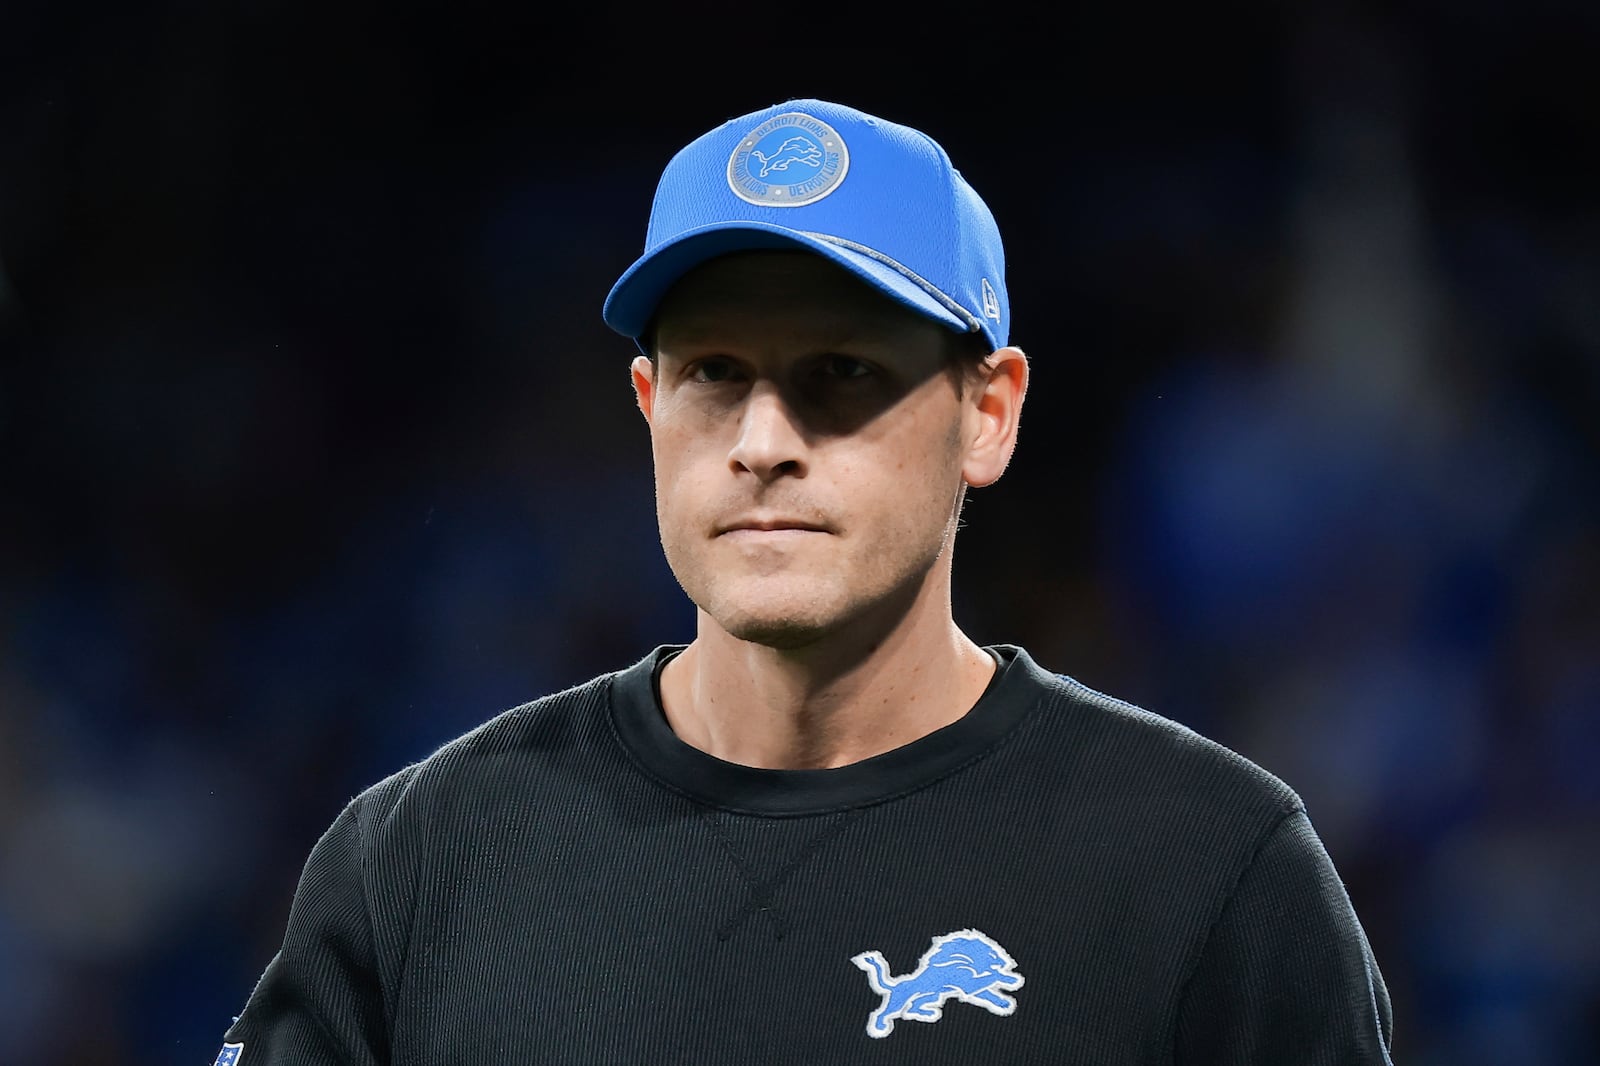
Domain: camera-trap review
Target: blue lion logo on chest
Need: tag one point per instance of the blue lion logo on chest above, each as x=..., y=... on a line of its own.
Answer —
x=964, y=965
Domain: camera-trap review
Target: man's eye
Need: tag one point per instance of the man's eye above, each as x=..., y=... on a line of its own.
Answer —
x=711, y=371
x=844, y=366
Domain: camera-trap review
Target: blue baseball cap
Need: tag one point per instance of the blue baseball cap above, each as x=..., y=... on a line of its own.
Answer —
x=880, y=199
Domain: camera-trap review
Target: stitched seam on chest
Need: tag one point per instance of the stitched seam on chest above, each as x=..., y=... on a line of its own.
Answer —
x=760, y=891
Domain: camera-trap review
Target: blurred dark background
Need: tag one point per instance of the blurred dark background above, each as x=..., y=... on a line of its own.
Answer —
x=317, y=453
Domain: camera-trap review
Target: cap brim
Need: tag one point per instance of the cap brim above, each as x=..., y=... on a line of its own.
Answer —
x=634, y=298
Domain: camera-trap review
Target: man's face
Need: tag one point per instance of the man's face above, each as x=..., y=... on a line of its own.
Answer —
x=808, y=444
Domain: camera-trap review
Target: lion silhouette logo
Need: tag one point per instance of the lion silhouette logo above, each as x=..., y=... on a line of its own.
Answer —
x=790, y=160
x=794, y=150
x=964, y=965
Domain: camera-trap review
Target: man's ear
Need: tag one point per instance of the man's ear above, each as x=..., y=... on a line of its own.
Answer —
x=993, y=412
x=644, y=385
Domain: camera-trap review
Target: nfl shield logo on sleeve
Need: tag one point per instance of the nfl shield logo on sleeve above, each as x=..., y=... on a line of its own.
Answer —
x=229, y=1055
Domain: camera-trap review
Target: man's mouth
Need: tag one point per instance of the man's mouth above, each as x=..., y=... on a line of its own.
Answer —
x=770, y=524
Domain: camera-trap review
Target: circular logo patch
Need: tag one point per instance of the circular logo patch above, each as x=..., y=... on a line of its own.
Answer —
x=787, y=161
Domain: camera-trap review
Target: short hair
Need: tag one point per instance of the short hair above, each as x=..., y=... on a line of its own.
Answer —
x=966, y=358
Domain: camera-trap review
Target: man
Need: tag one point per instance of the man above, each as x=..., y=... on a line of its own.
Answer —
x=832, y=828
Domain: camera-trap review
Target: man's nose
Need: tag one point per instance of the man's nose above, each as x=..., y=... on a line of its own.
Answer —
x=771, y=443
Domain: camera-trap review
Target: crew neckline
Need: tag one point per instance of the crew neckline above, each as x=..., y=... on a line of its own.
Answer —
x=1016, y=688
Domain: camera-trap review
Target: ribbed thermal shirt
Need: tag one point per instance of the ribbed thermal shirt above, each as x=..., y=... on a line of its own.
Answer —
x=1056, y=877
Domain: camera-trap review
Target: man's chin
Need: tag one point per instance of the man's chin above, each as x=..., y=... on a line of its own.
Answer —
x=783, y=633
x=789, y=612
x=792, y=618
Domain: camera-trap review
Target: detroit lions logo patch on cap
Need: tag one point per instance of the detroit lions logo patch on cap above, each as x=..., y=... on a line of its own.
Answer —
x=788, y=161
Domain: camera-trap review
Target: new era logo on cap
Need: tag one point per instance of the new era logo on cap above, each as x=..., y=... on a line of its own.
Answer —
x=878, y=198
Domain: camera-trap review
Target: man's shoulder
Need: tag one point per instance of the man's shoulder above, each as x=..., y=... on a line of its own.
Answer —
x=1136, y=753
x=563, y=721
x=538, y=723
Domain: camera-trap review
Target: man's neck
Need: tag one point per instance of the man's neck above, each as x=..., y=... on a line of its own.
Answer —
x=826, y=705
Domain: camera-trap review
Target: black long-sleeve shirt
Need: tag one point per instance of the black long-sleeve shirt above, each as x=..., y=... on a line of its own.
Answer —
x=1057, y=877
